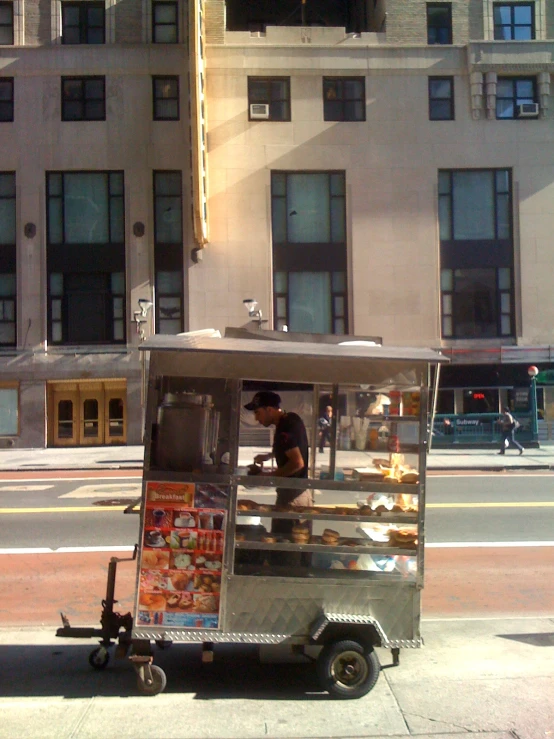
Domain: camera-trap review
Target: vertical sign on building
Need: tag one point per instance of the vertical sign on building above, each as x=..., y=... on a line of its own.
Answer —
x=198, y=122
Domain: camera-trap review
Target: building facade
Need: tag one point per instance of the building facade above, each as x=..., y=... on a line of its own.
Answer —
x=95, y=211
x=372, y=167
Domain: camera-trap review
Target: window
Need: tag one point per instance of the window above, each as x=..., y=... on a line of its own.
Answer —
x=83, y=99
x=7, y=259
x=165, y=92
x=83, y=23
x=511, y=92
x=309, y=251
x=6, y=24
x=476, y=303
x=168, y=251
x=441, y=98
x=271, y=91
x=6, y=99
x=344, y=98
x=474, y=205
x=476, y=253
x=439, y=23
x=514, y=21
x=9, y=410
x=164, y=23
x=86, y=257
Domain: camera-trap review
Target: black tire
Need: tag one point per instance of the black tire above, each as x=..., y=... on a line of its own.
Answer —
x=99, y=658
x=159, y=682
x=346, y=669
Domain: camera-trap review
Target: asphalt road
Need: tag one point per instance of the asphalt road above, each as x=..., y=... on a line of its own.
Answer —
x=49, y=512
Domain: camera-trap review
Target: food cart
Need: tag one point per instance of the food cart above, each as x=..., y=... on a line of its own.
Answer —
x=335, y=578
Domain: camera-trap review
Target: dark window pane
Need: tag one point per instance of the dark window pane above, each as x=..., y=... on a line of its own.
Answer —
x=6, y=36
x=95, y=16
x=71, y=36
x=6, y=112
x=94, y=110
x=95, y=36
x=165, y=13
x=441, y=110
x=94, y=88
x=6, y=90
x=353, y=89
x=73, y=111
x=353, y=111
x=440, y=88
x=332, y=110
x=258, y=91
x=165, y=35
x=279, y=90
x=278, y=111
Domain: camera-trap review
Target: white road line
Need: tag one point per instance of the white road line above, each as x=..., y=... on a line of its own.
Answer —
x=66, y=550
x=488, y=544
x=70, y=479
x=487, y=618
x=23, y=488
x=436, y=545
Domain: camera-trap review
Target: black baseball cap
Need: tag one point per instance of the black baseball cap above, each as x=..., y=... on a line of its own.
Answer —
x=264, y=399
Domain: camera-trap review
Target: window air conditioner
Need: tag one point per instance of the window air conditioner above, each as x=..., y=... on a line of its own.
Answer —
x=259, y=110
x=528, y=110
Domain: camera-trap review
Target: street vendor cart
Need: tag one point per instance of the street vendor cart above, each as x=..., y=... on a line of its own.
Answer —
x=347, y=574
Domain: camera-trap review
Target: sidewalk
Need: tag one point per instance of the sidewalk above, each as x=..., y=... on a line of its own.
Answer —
x=131, y=457
x=488, y=678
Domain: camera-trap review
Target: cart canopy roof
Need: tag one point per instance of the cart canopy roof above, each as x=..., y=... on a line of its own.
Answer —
x=206, y=354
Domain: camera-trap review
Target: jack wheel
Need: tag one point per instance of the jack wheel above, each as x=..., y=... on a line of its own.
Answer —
x=346, y=669
x=99, y=658
x=159, y=681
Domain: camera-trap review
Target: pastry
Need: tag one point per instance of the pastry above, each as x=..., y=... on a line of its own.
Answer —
x=152, y=601
x=247, y=505
x=330, y=536
x=268, y=539
x=409, y=477
x=302, y=538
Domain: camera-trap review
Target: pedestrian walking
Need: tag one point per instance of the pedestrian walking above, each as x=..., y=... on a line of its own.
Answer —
x=324, y=424
x=509, y=426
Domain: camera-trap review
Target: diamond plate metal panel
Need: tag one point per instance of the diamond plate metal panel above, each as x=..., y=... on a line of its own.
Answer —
x=279, y=606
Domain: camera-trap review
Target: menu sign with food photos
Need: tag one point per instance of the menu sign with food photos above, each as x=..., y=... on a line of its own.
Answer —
x=182, y=555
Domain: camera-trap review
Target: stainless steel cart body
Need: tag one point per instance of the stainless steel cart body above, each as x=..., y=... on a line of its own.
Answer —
x=371, y=481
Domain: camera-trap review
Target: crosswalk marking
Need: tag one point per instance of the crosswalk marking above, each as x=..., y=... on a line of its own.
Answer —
x=105, y=490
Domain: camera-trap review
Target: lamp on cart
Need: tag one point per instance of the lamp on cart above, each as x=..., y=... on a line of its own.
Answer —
x=533, y=372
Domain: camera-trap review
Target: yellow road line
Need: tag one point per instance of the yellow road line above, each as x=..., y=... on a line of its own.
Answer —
x=539, y=504
x=104, y=509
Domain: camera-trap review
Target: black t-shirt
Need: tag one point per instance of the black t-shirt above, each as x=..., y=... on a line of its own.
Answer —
x=290, y=432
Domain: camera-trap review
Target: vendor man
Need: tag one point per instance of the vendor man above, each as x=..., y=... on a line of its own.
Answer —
x=290, y=449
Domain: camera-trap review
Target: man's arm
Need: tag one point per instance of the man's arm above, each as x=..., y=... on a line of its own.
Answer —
x=294, y=463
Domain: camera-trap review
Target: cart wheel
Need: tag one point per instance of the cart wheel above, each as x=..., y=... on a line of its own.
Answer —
x=347, y=670
x=99, y=658
x=159, y=681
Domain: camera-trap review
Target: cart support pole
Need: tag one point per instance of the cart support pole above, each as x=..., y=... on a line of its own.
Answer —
x=434, y=407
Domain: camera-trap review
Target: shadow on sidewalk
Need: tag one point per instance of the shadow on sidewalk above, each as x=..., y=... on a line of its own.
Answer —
x=44, y=671
x=535, y=640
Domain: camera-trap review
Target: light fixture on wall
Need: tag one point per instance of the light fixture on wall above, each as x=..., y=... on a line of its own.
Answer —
x=254, y=312
x=140, y=316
